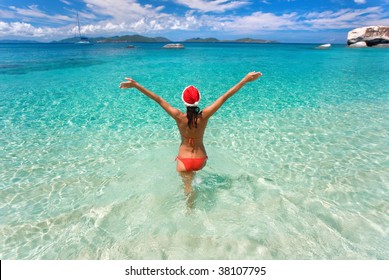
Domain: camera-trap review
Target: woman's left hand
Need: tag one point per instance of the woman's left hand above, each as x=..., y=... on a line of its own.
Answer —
x=252, y=76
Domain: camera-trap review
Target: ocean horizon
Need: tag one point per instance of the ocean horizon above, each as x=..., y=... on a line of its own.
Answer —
x=298, y=160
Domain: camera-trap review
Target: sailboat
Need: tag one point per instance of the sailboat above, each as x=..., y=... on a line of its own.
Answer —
x=83, y=40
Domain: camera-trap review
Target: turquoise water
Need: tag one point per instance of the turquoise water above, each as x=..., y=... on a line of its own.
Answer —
x=298, y=160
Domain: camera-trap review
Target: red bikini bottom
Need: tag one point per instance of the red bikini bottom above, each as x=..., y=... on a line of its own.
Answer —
x=193, y=164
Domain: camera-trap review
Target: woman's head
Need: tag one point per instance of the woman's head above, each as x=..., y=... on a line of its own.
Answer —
x=191, y=98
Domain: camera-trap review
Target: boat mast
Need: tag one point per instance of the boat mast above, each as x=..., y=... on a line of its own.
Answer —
x=78, y=24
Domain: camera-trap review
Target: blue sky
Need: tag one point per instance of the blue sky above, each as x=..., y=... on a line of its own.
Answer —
x=314, y=21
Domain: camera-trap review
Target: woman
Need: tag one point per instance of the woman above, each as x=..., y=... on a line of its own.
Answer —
x=191, y=153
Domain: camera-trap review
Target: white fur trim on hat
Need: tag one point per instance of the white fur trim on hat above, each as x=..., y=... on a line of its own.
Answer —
x=187, y=104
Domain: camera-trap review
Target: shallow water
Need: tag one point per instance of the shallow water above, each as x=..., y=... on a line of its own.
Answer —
x=298, y=160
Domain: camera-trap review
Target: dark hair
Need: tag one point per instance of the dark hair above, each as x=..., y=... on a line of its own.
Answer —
x=192, y=113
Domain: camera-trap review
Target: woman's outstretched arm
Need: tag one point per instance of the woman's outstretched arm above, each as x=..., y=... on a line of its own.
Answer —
x=210, y=110
x=130, y=83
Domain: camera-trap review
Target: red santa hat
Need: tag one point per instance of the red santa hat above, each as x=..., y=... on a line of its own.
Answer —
x=191, y=96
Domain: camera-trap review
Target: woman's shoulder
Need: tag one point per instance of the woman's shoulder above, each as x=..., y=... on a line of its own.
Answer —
x=182, y=117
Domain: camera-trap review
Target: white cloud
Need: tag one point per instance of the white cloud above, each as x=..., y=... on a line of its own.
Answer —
x=213, y=5
x=130, y=16
x=33, y=12
x=360, y=1
x=257, y=21
x=260, y=22
x=23, y=29
x=7, y=14
x=346, y=18
x=66, y=2
x=123, y=11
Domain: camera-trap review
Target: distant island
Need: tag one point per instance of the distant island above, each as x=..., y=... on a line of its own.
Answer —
x=144, y=39
x=118, y=39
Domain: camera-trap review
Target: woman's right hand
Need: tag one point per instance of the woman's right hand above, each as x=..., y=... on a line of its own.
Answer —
x=252, y=76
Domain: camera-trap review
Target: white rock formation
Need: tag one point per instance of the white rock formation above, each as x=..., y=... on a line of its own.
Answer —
x=371, y=35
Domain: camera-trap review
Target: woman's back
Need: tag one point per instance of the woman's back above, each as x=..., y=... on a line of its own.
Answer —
x=191, y=138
